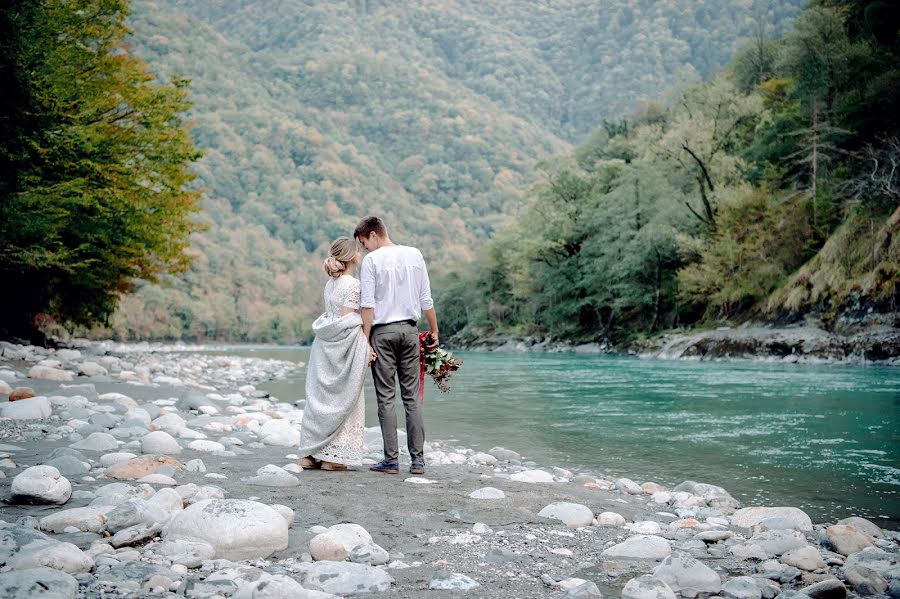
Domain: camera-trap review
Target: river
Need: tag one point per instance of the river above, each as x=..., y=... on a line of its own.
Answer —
x=822, y=438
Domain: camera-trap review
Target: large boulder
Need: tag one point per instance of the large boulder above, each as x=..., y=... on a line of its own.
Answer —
x=236, y=528
x=41, y=485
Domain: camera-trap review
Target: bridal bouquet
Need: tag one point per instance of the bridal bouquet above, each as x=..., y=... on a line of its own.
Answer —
x=437, y=362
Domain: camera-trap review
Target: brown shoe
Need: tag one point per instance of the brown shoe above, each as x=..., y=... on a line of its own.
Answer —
x=333, y=466
x=310, y=463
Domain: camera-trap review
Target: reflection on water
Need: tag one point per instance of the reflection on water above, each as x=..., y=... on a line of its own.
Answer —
x=823, y=438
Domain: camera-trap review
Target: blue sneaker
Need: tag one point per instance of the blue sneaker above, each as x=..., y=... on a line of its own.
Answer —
x=417, y=468
x=386, y=466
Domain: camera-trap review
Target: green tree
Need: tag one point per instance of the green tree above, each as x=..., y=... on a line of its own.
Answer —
x=95, y=157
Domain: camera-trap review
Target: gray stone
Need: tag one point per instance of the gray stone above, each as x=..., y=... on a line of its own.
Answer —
x=628, y=486
x=159, y=442
x=713, y=495
x=748, y=551
x=22, y=548
x=586, y=590
x=752, y=516
x=573, y=515
x=776, y=542
x=886, y=564
x=806, y=558
x=33, y=408
x=338, y=542
x=369, y=553
x=345, y=578
x=278, y=587
x=97, y=442
x=741, y=587
x=647, y=587
x=40, y=485
x=865, y=581
x=827, y=589
x=137, y=571
x=504, y=455
x=640, y=547
x=450, y=581
x=864, y=526
x=135, y=534
x=894, y=589
x=37, y=583
x=187, y=553
x=68, y=465
x=682, y=572
x=713, y=536
x=272, y=476
x=48, y=373
x=86, y=519
x=132, y=513
x=236, y=528
x=487, y=493
x=847, y=540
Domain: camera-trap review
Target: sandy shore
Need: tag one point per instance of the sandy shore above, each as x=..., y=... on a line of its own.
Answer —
x=427, y=533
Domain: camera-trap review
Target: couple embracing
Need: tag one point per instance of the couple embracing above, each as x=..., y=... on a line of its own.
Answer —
x=368, y=322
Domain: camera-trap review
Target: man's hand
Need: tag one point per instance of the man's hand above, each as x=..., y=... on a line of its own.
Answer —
x=434, y=342
x=372, y=356
x=431, y=317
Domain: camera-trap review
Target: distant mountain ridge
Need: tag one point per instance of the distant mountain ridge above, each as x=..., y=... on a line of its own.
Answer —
x=432, y=114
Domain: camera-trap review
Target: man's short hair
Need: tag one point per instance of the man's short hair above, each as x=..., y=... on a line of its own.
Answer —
x=369, y=225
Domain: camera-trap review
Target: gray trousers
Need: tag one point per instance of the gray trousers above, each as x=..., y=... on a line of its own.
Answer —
x=397, y=348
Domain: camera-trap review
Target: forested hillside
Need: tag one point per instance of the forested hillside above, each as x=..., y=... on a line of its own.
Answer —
x=770, y=191
x=432, y=114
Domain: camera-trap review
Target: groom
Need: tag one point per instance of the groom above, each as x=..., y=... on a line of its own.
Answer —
x=395, y=291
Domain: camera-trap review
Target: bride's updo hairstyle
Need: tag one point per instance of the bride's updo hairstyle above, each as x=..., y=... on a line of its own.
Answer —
x=343, y=250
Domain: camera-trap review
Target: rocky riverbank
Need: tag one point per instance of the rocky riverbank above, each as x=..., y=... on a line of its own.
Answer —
x=138, y=471
x=797, y=344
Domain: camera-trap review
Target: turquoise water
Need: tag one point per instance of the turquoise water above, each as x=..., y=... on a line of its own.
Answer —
x=822, y=438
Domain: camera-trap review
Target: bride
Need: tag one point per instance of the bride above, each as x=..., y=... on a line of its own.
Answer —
x=331, y=436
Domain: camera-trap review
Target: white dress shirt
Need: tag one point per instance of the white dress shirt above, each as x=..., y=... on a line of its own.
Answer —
x=394, y=281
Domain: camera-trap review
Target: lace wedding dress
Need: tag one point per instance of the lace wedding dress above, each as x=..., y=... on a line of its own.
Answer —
x=347, y=446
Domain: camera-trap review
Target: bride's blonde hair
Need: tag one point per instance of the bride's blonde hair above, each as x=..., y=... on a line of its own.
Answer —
x=342, y=252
